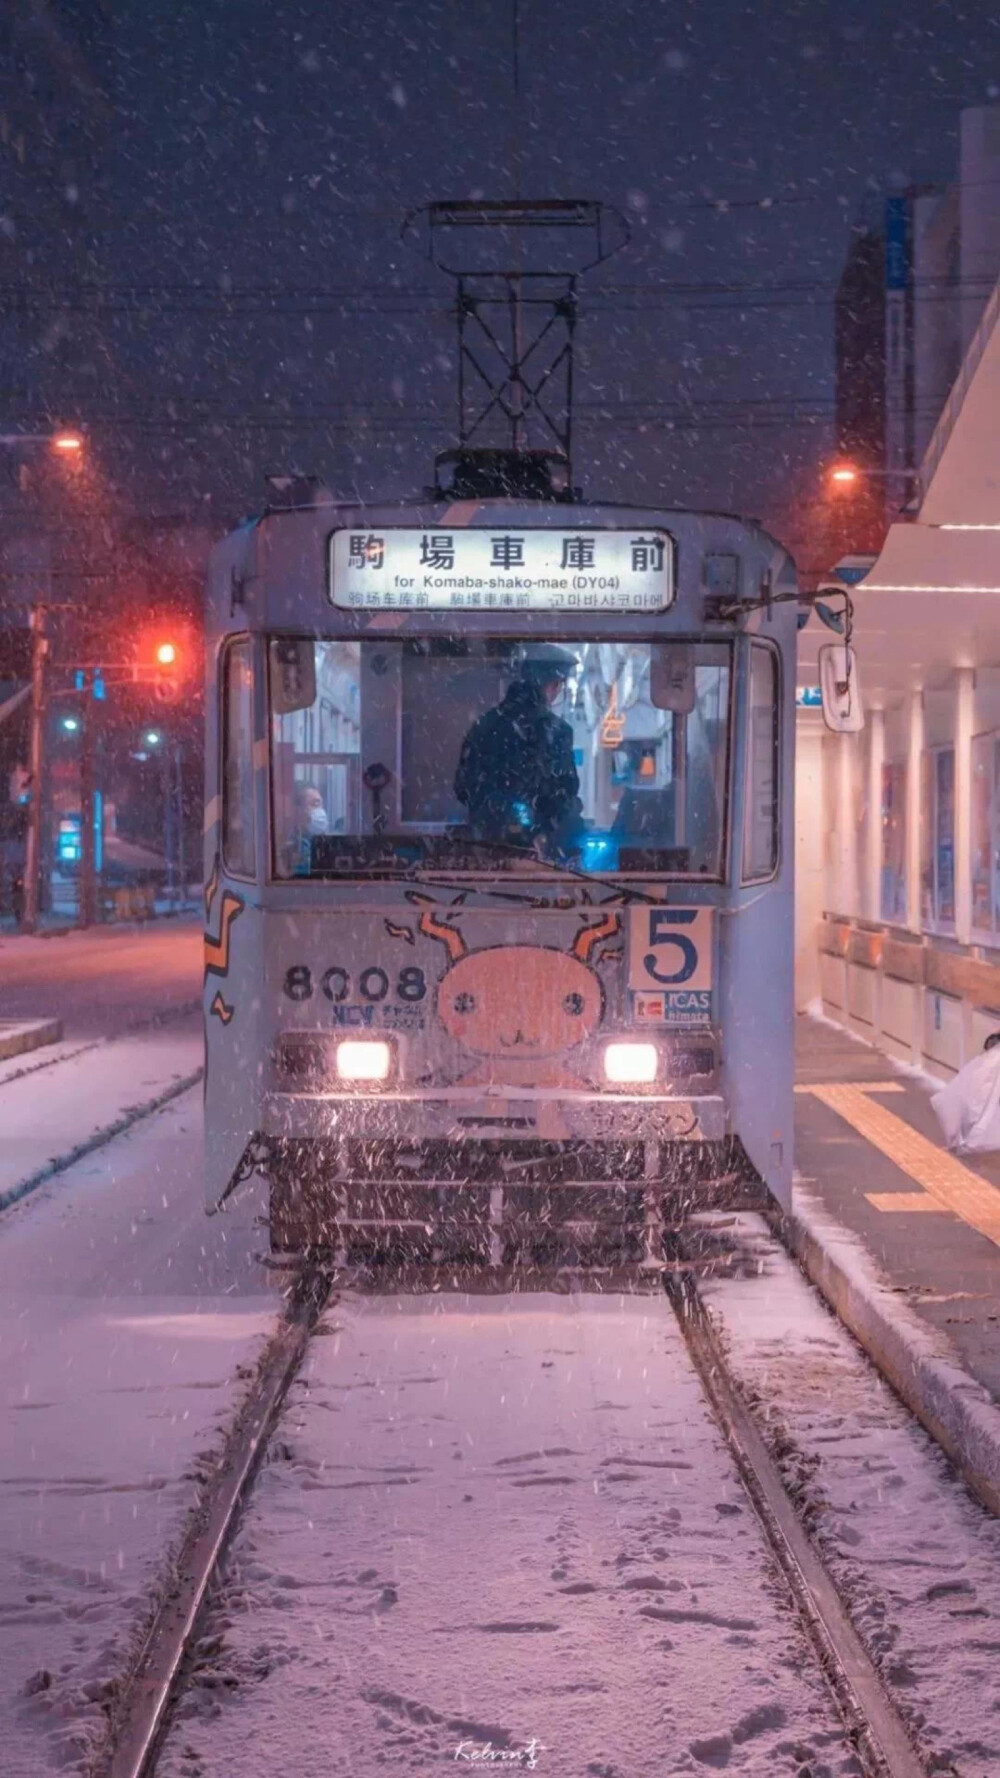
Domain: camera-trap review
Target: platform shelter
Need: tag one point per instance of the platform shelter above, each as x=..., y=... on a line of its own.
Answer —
x=898, y=827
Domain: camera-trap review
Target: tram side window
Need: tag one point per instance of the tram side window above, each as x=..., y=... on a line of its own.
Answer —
x=317, y=789
x=760, y=815
x=237, y=759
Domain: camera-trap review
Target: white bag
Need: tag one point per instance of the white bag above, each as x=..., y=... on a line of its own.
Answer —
x=968, y=1108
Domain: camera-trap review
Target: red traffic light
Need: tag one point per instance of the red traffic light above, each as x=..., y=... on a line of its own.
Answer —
x=166, y=678
x=166, y=655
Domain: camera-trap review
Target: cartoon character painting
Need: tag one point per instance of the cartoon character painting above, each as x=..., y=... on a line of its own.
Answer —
x=519, y=1008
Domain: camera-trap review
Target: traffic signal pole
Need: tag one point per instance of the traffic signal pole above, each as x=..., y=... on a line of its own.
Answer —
x=181, y=862
x=167, y=782
x=36, y=768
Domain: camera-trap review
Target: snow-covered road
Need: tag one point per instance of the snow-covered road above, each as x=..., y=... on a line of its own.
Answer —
x=502, y=1523
x=491, y=1529
x=125, y=1317
x=102, y=980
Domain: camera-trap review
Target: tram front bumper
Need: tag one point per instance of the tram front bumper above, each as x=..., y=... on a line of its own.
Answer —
x=473, y=1116
x=585, y=1174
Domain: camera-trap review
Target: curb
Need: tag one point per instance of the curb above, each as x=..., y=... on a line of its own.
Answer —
x=149, y=1022
x=98, y=1140
x=957, y=1411
x=18, y=1037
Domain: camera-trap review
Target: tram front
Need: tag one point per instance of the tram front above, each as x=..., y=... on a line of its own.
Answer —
x=500, y=873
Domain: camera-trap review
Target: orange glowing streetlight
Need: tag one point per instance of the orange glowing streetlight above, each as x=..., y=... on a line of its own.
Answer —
x=844, y=475
x=65, y=441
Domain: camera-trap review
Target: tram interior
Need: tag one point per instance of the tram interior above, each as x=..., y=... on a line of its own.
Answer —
x=366, y=739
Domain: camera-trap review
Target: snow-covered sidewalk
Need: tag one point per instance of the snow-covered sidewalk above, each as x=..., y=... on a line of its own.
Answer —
x=918, y=1560
x=51, y=1110
x=126, y=1320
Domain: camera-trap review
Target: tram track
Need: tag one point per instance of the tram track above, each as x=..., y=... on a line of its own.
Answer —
x=142, y=1711
x=874, y=1728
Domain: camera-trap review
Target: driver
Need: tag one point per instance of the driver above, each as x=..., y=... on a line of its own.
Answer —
x=516, y=774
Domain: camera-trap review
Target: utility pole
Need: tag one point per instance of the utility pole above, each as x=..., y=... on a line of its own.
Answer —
x=167, y=778
x=36, y=768
x=87, y=909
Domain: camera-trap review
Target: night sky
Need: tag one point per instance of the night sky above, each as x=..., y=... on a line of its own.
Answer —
x=200, y=255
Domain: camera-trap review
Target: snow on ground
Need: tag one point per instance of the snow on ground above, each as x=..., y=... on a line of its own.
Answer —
x=501, y=1524
x=126, y=1318
x=46, y=1112
x=101, y=980
x=917, y=1558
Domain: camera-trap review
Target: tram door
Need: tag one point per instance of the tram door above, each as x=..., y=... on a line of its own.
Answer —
x=757, y=977
x=233, y=926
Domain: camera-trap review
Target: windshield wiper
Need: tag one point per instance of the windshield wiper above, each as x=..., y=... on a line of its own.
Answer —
x=426, y=874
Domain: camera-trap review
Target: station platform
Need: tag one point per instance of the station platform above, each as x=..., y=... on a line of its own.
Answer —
x=868, y=1148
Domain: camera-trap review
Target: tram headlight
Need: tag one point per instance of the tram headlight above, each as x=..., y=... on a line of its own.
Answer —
x=363, y=1059
x=631, y=1064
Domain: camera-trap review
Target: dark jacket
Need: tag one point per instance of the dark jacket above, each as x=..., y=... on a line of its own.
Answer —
x=516, y=770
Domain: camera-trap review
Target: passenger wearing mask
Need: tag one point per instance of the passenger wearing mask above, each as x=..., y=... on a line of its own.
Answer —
x=516, y=774
x=311, y=819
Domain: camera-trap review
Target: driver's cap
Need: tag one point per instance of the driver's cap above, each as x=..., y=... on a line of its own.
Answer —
x=545, y=660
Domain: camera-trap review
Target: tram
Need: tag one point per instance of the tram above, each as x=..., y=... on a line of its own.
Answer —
x=434, y=1008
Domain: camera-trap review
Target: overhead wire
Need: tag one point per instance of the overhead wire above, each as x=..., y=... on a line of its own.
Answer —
x=396, y=303
x=102, y=298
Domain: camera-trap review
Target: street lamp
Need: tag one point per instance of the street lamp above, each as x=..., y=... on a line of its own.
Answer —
x=845, y=474
x=68, y=442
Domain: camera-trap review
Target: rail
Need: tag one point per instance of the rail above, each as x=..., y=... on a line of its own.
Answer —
x=874, y=1726
x=141, y=1716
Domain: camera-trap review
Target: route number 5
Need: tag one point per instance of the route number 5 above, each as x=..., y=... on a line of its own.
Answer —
x=670, y=947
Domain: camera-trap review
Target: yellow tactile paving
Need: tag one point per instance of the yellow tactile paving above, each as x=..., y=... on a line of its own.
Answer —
x=866, y=1086
x=954, y=1187
x=910, y=1202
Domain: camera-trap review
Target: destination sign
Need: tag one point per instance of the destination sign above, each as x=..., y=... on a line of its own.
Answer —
x=501, y=568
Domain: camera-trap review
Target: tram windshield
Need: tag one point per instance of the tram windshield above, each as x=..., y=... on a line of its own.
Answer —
x=476, y=753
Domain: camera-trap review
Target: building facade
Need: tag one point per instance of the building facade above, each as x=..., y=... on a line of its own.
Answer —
x=911, y=296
